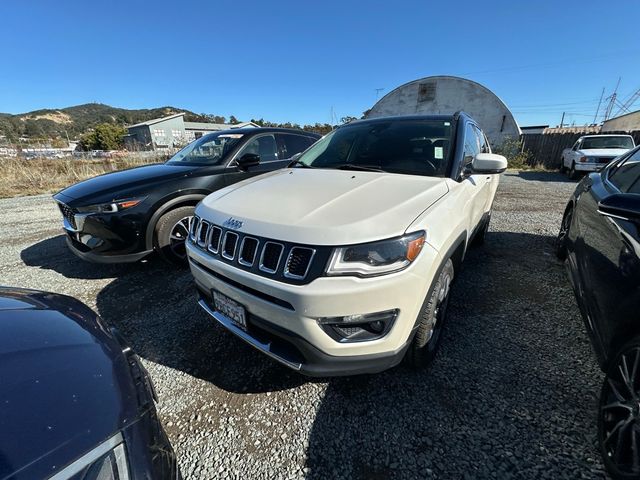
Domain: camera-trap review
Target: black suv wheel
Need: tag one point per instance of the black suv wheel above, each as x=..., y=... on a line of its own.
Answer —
x=172, y=231
x=619, y=414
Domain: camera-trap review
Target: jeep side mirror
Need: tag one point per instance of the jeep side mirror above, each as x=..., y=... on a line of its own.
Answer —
x=248, y=160
x=488, y=163
x=625, y=206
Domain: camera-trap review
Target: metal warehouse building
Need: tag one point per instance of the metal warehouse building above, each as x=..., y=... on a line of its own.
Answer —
x=171, y=132
x=447, y=95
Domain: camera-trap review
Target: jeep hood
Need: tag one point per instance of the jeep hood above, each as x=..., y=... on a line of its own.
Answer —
x=323, y=206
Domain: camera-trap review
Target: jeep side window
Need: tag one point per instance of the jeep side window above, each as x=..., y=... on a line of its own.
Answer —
x=471, y=144
x=484, y=145
x=575, y=145
x=263, y=145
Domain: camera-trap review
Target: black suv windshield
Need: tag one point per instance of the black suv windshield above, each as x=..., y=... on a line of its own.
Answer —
x=415, y=147
x=607, y=142
x=208, y=150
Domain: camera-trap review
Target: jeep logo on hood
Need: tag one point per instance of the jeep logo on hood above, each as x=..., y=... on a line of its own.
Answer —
x=232, y=223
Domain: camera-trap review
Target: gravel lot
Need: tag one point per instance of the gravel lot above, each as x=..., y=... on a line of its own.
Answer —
x=512, y=393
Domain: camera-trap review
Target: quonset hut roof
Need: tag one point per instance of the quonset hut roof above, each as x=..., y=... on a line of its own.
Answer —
x=447, y=95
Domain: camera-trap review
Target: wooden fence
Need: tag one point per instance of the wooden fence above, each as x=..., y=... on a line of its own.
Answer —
x=546, y=149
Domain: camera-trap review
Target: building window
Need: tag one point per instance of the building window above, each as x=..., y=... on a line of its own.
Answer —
x=158, y=132
x=176, y=133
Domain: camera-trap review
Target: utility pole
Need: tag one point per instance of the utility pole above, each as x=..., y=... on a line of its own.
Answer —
x=378, y=90
x=612, y=101
x=562, y=121
x=595, y=117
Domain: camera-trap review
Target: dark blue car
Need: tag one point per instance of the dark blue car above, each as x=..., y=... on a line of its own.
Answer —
x=75, y=401
x=600, y=240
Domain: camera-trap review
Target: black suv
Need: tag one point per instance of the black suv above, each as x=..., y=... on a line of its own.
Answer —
x=600, y=241
x=124, y=216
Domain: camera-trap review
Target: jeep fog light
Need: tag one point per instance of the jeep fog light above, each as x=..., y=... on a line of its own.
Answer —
x=359, y=327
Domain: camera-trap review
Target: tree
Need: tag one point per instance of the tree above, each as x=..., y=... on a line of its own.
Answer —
x=233, y=120
x=347, y=119
x=104, y=136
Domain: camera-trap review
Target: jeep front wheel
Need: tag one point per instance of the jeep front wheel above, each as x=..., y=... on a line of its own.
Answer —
x=431, y=319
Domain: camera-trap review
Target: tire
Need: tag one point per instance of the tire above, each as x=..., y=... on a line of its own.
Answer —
x=431, y=319
x=480, y=235
x=573, y=174
x=563, y=234
x=563, y=169
x=619, y=414
x=171, y=233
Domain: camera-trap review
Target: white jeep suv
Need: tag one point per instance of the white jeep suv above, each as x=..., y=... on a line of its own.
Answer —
x=341, y=264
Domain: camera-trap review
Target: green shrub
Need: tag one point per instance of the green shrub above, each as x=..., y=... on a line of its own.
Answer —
x=517, y=157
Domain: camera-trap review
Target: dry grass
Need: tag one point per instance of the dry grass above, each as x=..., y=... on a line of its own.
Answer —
x=19, y=176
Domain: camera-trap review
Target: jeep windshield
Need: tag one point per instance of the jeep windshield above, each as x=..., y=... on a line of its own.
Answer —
x=208, y=150
x=607, y=142
x=414, y=147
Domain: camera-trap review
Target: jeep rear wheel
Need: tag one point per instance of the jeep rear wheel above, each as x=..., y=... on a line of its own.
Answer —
x=431, y=319
x=172, y=231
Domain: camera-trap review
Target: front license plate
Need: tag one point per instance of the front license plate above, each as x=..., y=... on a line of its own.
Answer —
x=231, y=309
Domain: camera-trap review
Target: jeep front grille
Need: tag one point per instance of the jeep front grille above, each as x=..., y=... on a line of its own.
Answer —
x=270, y=257
x=283, y=261
x=214, y=241
x=298, y=262
x=248, y=250
x=229, y=245
x=203, y=231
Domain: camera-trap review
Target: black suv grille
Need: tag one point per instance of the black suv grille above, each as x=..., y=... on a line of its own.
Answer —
x=283, y=261
x=68, y=214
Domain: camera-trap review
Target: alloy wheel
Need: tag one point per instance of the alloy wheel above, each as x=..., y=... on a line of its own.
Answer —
x=441, y=307
x=178, y=237
x=619, y=421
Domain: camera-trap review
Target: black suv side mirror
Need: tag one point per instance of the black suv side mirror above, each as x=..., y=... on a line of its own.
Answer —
x=248, y=160
x=625, y=206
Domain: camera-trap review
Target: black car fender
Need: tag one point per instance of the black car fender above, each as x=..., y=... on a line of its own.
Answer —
x=179, y=201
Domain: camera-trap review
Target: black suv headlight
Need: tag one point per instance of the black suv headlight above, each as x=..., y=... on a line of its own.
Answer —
x=111, y=207
x=376, y=258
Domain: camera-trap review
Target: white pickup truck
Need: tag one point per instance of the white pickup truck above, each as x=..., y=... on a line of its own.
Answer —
x=592, y=152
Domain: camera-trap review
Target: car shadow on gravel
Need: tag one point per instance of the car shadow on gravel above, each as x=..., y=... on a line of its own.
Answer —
x=53, y=254
x=511, y=394
x=543, y=176
x=157, y=312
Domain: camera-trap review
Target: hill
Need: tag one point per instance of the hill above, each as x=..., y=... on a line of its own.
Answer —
x=76, y=120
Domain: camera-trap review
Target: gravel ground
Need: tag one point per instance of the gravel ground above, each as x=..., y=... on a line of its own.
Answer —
x=512, y=393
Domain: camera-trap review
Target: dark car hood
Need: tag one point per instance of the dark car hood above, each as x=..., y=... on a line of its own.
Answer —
x=65, y=385
x=116, y=182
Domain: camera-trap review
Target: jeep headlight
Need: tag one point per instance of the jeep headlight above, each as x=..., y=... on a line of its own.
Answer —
x=376, y=258
x=111, y=207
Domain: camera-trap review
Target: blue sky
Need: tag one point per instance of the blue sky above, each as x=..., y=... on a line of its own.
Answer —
x=299, y=61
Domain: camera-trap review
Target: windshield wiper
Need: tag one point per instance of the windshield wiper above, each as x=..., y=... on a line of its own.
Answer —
x=365, y=168
x=298, y=162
